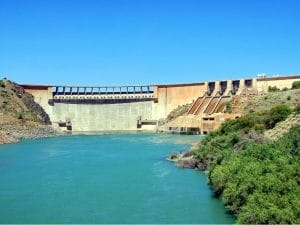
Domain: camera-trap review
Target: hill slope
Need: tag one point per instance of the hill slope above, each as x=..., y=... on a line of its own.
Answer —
x=20, y=116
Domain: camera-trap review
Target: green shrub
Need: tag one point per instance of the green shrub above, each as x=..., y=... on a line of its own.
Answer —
x=20, y=115
x=259, y=184
x=285, y=89
x=173, y=156
x=277, y=114
x=228, y=108
x=273, y=89
x=259, y=128
x=296, y=85
x=2, y=84
x=297, y=109
x=288, y=98
x=4, y=94
x=257, y=179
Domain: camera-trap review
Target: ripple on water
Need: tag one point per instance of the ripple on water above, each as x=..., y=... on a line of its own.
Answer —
x=107, y=178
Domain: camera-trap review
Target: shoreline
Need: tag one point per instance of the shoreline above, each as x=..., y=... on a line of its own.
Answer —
x=16, y=133
x=186, y=159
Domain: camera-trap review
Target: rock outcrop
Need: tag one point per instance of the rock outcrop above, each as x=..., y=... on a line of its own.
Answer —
x=283, y=127
x=20, y=116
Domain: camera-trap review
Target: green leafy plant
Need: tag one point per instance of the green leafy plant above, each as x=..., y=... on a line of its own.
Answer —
x=20, y=115
x=228, y=108
x=2, y=84
x=296, y=85
x=297, y=109
x=273, y=89
x=257, y=179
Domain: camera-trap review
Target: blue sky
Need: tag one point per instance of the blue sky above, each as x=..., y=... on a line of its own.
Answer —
x=115, y=42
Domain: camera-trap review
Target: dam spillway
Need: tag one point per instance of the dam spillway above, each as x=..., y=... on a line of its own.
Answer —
x=102, y=108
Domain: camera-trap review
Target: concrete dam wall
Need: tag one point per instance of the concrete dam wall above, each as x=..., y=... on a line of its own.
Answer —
x=140, y=107
x=97, y=117
x=90, y=110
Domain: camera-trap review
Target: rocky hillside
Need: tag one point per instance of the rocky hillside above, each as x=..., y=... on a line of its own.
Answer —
x=283, y=127
x=247, y=104
x=20, y=116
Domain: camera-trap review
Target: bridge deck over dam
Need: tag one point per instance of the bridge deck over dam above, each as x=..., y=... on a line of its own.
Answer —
x=93, y=108
x=102, y=95
x=112, y=91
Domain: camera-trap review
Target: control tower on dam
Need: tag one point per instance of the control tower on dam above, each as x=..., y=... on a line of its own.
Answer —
x=104, y=108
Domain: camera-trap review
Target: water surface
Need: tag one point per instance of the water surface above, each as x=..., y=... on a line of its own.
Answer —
x=108, y=178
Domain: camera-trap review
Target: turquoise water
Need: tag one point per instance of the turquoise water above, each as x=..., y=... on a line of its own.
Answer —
x=112, y=178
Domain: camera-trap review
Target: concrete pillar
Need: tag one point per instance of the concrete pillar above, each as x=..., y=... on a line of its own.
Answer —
x=229, y=84
x=206, y=86
x=217, y=86
x=133, y=89
x=84, y=90
x=229, y=87
x=155, y=92
x=64, y=90
x=50, y=93
x=254, y=84
x=77, y=90
x=242, y=87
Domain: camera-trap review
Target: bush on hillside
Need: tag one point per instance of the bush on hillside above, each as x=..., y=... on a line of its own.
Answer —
x=2, y=84
x=257, y=120
x=257, y=179
x=259, y=183
x=273, y=89
x=297, y=109
x=228, y=108
x=20, y=115
x=277, y=114
x=285, y=89
x=296, y=85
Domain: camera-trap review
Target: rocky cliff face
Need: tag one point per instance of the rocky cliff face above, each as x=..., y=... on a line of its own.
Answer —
x=20, y=116
x=15, y=103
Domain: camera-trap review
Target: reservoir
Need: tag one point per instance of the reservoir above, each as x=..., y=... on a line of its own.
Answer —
x=104, y=178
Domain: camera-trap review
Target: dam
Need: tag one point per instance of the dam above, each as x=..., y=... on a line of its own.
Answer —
x=145, y=107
